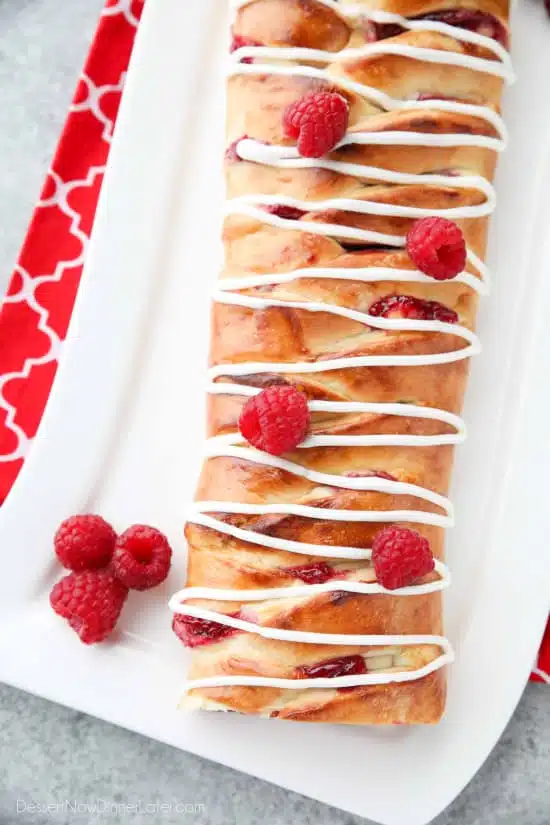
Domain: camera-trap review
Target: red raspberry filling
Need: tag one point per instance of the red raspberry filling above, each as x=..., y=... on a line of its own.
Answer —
x=315, y=573
x=290, y=213
x=372, y=474
x=195, y=632
x=379, y=31
x=238, y=41
x=231, y=154
x=318, y=122
x=406, y=306
x=331, y=668
x=437, y=247
x=475, y=21
x=400, y=557
x=91, y=602
x=276, y=420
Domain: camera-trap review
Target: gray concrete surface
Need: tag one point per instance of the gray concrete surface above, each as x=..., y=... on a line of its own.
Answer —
x=49, y=754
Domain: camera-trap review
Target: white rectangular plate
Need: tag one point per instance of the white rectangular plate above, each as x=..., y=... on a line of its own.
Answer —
x=122, y=436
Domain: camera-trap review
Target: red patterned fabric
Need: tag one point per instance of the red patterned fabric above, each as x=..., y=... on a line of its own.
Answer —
x=36, y=311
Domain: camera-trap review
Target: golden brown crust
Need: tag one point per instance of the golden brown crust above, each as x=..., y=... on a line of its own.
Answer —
x=286, y=335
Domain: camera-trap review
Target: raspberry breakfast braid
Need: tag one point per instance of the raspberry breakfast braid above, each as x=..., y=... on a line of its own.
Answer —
x=284, y=607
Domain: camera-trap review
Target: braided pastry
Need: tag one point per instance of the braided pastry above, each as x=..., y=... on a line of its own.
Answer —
x=311, y=244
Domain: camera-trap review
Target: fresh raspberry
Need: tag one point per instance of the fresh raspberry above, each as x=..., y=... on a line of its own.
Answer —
x=318, y=121
x=195, y=632
x=400, y=557
x=84, y=542
x=406, y=306
x=437, y=247
x=142, y=557
x=276, y=420
x=91, y=602
x=238, y=41
x=290, y=213
x=314, y=573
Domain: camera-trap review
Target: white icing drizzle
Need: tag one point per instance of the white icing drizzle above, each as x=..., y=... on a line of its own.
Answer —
x=325, y=514
x=386, y=102
x=329, y=229
x=364, y=274
x=379, y=322
x=222, y=446
x=422, y=53
x=342, y=407
x=195, y=516
x=308, y=367
x=228, y=292
x=306, y=637
x=287, y=157
x=366, y=207
x=297, y=591
x=352, y=12
x=375, y=678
